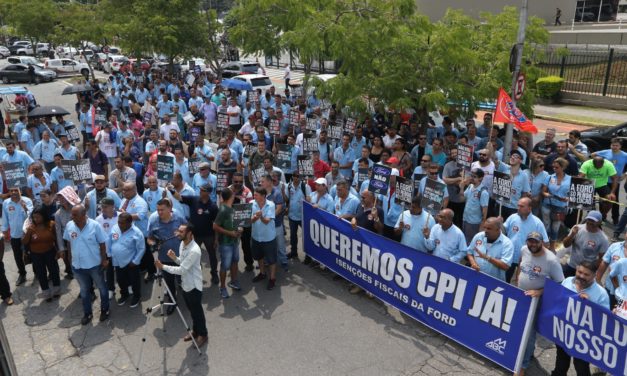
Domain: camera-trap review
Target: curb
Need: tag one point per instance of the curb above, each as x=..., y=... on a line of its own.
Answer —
x=572, y=121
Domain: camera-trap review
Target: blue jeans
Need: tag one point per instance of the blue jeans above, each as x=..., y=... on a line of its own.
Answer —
x=229, y=254
x=86, y=278
x=280, y=244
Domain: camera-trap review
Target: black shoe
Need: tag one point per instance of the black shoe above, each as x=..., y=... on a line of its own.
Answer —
x=214, y=278
x=20, y=280
x=308, y=260
x=150, y=277
x=86, y=319
x=135, y=301
x=104, y=315
x=122, y=300
x=170, y=310
x=259, y=277
x=271, y=284
x=249, y=268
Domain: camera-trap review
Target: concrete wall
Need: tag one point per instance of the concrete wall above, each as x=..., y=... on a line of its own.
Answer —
x=435, y=9
x=598, y=37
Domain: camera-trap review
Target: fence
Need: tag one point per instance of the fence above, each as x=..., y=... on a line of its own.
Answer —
x=317, y=66
x=592, y=72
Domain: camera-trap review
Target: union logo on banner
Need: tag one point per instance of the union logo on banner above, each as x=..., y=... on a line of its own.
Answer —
x=507, y=112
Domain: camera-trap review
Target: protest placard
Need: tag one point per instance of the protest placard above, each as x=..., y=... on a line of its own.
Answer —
x=310, y=143
x=335, y=132
x=257, y=174
x=100, y=119
x=380, y=179
x=404, y=191
x=312, y=124
x=14, y=174
x=253, y=96
x=197, y=69
x=305, y=166
x=194, y=133
x=193, y=164
x=242, y=214
x=581, y=195
x=73, y=134
x=501, y=187
x=250, y=149
x=294, y=117
x=222, y=180
x=362, y=175
x=223, y=120
x=188, y=117
x=465, y=156
x=79, y=171
x=165, y=167
x=147, y=117
x=284, y=156
x=432, y=196
x=350, y=126
x=275, y=127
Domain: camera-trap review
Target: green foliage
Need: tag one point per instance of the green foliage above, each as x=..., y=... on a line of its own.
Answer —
x=549, y=87
x=33, y=18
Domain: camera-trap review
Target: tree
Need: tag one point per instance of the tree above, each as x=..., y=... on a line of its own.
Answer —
x=32, y=18
x=174, y=28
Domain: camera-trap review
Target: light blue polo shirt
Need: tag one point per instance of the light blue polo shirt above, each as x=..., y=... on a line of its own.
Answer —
x=198, y=181
x=391, y=208
x=619, y=160
x=14, y=216
x=295, y=211
x=477, y=198
x=449, y=245
x=264, y=232
x=561, y=190
x=94, y=210
x=19, y=156
x=618, y=270
x=85, y=243
x=595, y=292
x=152, y=197
x=344, y=157
x=536, y=182
x=137, y=205
x=325, y=202
x=36, y=187
x=45, y=150
x=69, y=154
x=520, y=185
x=501, y=249
x=412, y=230
x=57, y=177
x=614, y=253
x=125, y=247
x=349, y=206
x=183, y=168
x=517, y=230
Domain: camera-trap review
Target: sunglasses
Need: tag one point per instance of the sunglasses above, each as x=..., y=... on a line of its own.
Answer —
x=483, y=155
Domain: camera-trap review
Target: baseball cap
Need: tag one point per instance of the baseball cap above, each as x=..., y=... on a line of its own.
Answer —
x=392, y=160
x=321, y=181
x=107, y=201
x=99, y=177
x=534, y=235
x=595, y=216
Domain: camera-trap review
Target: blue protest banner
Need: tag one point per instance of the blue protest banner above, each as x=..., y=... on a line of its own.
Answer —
x=584, y=330
x=478, y=311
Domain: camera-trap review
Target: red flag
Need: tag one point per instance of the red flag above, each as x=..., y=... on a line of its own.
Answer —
x=507, y=112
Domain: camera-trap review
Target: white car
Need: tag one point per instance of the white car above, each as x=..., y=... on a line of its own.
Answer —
x=66, y=52
x=198, y=62
x=24, y=60
x=114, y=63
x=4, y=52
x=25, y=50
x=67, y=66
x=258, y=81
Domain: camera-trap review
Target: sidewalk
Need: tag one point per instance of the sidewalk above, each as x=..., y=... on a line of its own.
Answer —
x=581, y=115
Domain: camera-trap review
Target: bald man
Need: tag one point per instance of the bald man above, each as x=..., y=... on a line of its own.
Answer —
x=490, y=251
x=445, y=240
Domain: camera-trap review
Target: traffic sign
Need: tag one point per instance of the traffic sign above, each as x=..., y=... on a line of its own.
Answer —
x=520, y=86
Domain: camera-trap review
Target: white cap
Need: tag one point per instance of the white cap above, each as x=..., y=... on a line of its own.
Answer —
x=395, y=172
x=321, y=181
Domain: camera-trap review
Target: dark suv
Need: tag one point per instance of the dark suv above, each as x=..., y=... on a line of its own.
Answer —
x=236, y=68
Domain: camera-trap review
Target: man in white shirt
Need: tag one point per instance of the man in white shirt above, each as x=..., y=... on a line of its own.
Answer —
x=166, y=127
x=234, y=112
x=191, y=276
x=287, y=75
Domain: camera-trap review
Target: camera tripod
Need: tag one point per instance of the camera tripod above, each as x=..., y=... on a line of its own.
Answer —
x=160, y=307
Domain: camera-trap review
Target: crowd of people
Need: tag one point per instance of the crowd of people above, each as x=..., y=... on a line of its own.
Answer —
x=129, y=223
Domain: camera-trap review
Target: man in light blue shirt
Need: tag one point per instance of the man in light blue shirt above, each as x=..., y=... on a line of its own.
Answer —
x=618, y=274
x=58, y=177
x=141, y=94
x=126, y=247
x=520, y=182
x=518, y=226
x=135, y=205
x=490, y=251
x=26, y=138
x=411, y=223
x=432, y=173
x=15, y=211
x=45, y=149
x=89, y=259
x=263, y=234
x=345, y=156
x=13, y=156
x=67, y=150
x=298, y=191
x=203, y=177
x=93, y=197
x=320, y=198
x=476, y=198
x=164, y=106
x=345, y=203
x=445, y=240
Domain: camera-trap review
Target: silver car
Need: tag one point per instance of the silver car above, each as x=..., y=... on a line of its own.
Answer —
x=4, y=52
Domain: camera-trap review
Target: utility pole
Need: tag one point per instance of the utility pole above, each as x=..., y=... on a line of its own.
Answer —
x=522, y=25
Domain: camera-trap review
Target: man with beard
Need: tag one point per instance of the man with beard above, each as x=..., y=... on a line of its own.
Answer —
x=536, y=264
x=585, y=286
x=100, y=191
x=561, y=151
x=588, y=242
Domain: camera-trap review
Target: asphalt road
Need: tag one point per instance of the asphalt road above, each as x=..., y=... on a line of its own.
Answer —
x=308, y=325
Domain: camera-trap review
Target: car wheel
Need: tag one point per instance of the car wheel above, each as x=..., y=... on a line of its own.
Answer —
x=5, y=80
x=21, y=53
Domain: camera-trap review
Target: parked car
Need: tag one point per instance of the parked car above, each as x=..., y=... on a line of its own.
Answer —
x=4, y=52
x=258, y=81
x=98, y=61
x=598, y=138
x=25, y=50
x=197, y=62
x=66, y=52
x=24, y=60
x=17, y=45
x=238, y=68
x=165, y=67
x=67, y=66
x=19, y=72
x=114, y=63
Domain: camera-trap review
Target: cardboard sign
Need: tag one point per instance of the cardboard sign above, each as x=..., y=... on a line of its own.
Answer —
x=380, y=180
x=250, y=149
x=193, y=164
x=188, y=117
x=284, y=156
x=465, y=156
x=502, y=187
x=194, y=133
x=165, y=167
x=350, y=126
x=335, y=132
x=310, y=144
x=432, y=196
x=242, y=214
x=581, y=195
x=275, y=127
x=78, y=171
x=417, y=179
x=73, y=134
x=257, y=174
x=15, y=174
x=404, y=191
x=147, y=117
x=305, y=166
x=363, y=174
x=312, y=124
x=101, y=118
x=294, y=118
x=223, y=180
x=223, y=121
x=253, y=96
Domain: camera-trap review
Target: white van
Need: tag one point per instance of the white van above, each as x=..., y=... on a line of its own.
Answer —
x=67, y=66
x=621, y=12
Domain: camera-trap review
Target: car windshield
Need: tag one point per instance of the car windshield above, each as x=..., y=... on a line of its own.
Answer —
x=262, y=81
x=29, y=60
x=250, y=68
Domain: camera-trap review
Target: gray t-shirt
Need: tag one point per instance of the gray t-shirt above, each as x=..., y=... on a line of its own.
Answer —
x=587, y=246
x=451, y=170
x=534, y=269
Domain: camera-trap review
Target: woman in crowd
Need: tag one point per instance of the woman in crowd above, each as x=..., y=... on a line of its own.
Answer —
x=555, y=192
x=40, y=240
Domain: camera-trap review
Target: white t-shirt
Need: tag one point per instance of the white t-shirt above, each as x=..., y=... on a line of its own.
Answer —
x=234, y=119
x=287, y=73
x=104, y=143
x=165, y=129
